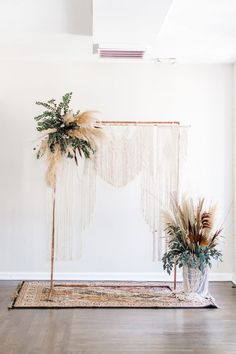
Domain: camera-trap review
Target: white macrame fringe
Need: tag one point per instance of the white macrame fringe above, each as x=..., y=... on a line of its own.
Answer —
x=155, y=153
x=75, y=201
x=119, y=161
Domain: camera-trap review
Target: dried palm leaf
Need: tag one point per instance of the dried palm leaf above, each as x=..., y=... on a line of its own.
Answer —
x=53, y=160
x=94, y=134
x=198, y=214
x=69, y=118
x=206, y=220
x=97, y=133
x=204, y=241
x=43, y=148
x=168, y=218
x=86, y=118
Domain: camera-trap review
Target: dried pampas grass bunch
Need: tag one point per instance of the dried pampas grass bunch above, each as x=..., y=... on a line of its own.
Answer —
x=192, y=239
x=66, y=134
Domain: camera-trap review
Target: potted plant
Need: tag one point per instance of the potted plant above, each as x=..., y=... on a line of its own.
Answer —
x=192, y=242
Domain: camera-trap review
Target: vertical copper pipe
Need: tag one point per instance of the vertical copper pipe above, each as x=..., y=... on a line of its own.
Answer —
x=178, y=180
x=175, y=275
x=53, y=242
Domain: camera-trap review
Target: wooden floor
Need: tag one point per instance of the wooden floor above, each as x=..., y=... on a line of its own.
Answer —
x=119, y=331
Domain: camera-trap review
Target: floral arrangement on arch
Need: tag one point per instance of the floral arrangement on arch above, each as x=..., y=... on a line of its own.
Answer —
x=66, y=134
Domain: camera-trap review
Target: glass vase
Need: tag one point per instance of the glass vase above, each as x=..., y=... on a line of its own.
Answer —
x=195, y=281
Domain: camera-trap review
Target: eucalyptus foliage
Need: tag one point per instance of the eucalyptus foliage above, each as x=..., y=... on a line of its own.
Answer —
x=191, y=239
x=52, y=120
x=180, y=253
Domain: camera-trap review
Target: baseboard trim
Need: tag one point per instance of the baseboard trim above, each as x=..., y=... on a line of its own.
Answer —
x=161, y=276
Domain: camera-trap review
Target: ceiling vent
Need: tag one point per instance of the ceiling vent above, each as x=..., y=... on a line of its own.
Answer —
x=120, y=53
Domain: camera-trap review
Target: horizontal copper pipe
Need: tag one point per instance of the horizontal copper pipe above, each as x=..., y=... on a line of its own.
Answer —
x=129, y=122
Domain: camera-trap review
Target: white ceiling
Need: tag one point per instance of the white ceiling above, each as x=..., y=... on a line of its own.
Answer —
x=46, y=16
x=189, y=30
x=128, y=22
x=198, y=31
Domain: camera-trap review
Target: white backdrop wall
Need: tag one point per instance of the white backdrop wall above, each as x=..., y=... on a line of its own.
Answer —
x=234, y=166
x=118, y=243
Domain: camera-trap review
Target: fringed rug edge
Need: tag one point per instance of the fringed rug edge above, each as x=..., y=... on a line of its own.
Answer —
x=15, y=295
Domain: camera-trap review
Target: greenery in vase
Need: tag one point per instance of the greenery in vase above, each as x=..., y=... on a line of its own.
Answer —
x=191, y=239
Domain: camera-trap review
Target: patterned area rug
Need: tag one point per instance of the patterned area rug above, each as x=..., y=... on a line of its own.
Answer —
x=35, y=294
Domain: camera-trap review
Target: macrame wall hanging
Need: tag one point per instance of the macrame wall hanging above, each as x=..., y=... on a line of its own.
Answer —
x=151, y=152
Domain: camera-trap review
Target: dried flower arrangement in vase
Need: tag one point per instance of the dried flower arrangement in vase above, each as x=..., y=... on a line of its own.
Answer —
x=192, y=242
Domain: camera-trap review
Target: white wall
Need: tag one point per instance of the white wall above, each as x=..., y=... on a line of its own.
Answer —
x=199, y=95
x=234, y=167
